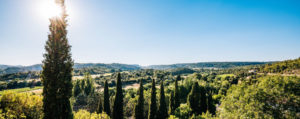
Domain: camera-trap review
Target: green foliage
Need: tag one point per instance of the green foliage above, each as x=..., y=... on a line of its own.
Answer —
x=106, y=99
x=89, y=84
x=183, y=112
x=153, y=105
x=176, y=93
x=77, y=88
x=22, y=90
x=288, y=66
x=118, y=103
x=20, y=105
x=197, y=99
x=83, y=114
x=270, y=97
x=100, y=106
x=162, y=110
x=139, y=107
x=171, y=104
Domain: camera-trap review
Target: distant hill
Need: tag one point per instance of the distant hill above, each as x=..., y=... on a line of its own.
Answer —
x=101, y=67
x=288, y=66
x=6, y=69
x=3, y=66
x=205, y=65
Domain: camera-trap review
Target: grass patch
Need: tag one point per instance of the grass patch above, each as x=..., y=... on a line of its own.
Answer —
x=20, y=90
x=225, y=75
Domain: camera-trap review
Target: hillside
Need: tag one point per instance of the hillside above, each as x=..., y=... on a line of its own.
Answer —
x=288, y=66
x=6, y=69
x=205, y=65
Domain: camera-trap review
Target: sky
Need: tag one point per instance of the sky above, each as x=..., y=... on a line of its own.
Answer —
x=148, y=32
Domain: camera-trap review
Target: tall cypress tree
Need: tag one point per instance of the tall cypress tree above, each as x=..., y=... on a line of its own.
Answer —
x=210, y=104
x=176, y=93
x=194, y=99
x=100, y=106
x=152, y=106
x=106, y=99
x=171, y=104
x=162, y=110
x=57, y=70
x=197, y=99
x=139, y=107
x=203, y=100
x=118, y=104
x=77, y=88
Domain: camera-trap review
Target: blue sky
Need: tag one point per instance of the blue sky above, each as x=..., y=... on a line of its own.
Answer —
x=150, y=32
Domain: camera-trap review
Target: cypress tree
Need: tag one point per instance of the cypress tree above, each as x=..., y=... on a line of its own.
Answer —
x=210, y=104
x=118, y=104
x=171, y=104
x=139, y=107
x=57, y=70
x=176, y=93
x=152, y=106
x=77, y=88
x=100, y=106
x=106, y=99
x=203, y=100
x=162, y=110
x=197, y=99
x=89, y=84
x=194, y=99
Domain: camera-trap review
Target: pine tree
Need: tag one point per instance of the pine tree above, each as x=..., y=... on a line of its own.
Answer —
x=139, y=107
x=162, y=111
x=118, y=104
x=176, y=93
x=152, y=106
x=171, y=104
x=57, y=70
x=194, y=99
x=106, y=99
x=100, y=107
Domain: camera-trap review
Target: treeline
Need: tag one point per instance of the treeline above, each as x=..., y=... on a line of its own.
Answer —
x=21, y=75
x=16, y=83
x=288, y=66
x=206, y=65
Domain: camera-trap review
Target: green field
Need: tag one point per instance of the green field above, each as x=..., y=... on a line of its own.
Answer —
x=20, y=90
x=225, y=75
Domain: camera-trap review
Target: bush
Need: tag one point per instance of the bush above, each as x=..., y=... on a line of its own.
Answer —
x=270, y=97
x=83, y=114
x=21, y=105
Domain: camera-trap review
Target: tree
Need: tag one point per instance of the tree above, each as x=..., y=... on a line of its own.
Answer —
x=152, y=106
x=57, y=70
x=194, y=99
x=203, y=100
x=183, y=111
x=77, y=88
x=162, y=110
x=139, y=107
x=89, y=87
x=210, y=104
x=176, y=93
x=106, y=99
x=171, y=104
x=118, y=104
x=100, y=107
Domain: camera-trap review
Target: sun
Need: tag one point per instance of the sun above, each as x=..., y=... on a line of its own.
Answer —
x=49, y=9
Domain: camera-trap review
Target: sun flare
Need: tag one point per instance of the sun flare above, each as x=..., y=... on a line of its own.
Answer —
x=49, y=9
